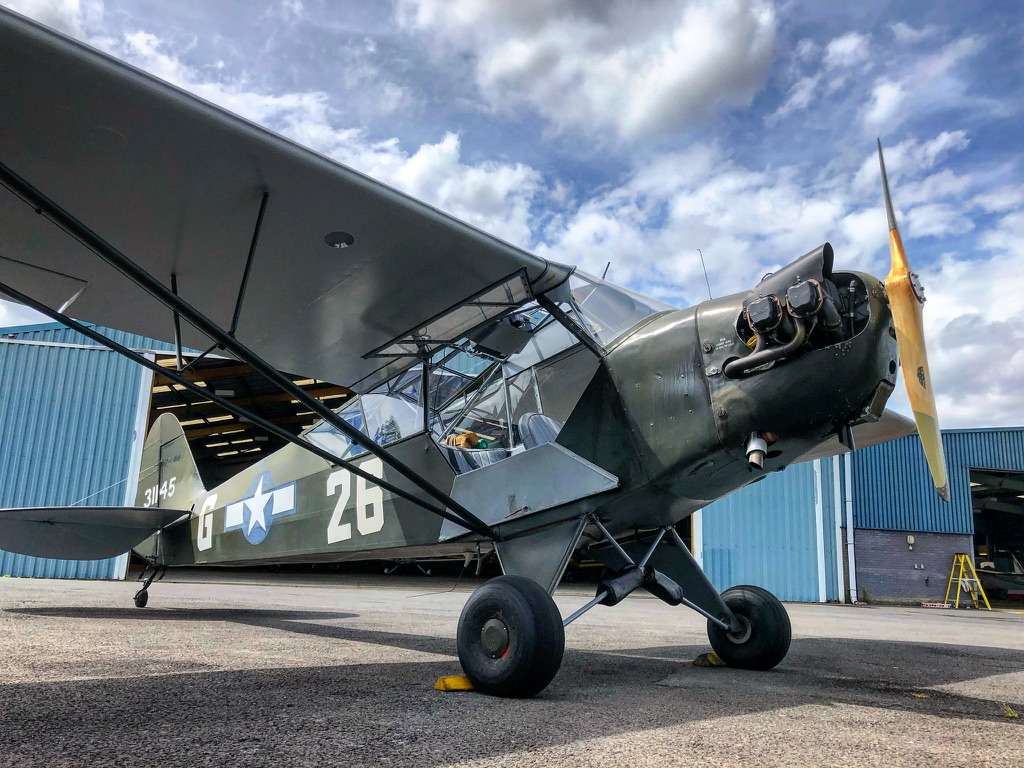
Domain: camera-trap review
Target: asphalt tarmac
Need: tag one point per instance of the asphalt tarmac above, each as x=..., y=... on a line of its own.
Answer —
x=340, y=670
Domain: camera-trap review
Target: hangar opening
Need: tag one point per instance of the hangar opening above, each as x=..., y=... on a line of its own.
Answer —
x=222, y=443
x=997, y=499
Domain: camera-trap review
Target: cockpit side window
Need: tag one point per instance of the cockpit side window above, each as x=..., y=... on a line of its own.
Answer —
x=484, y=405
x=330, y=439
x=485, y=423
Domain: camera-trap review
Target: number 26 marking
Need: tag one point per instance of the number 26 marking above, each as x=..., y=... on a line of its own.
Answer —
x=369, y=502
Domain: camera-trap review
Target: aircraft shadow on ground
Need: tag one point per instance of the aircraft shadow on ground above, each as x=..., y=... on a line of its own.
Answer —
x=596, y=693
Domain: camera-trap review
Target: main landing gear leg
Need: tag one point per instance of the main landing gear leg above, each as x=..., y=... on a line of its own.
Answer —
x=155, y=572
x=748, y=627
x=511, y=637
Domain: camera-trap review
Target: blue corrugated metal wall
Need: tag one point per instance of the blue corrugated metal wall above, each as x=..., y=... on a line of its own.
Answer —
x=766, y=534
x=830, y=508
x=67, y=418
x=892, y=489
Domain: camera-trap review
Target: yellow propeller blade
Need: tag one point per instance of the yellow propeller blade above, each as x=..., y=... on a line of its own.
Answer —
x=906, y=299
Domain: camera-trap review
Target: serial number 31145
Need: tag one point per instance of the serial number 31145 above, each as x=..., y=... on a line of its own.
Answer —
x=158, y=493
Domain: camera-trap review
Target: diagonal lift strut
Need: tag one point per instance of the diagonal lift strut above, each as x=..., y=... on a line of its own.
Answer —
x=227, y=405
x=112, y=256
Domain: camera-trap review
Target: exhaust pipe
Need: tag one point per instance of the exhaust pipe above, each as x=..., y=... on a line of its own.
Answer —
x=757, y=447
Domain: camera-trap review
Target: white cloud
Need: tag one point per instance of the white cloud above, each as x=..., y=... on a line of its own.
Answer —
x=848, y=50
x=1001, y=199
x=818, y=73
x=67, y=16
x=931, y=83
x=886, y=106
x=800, y=95
x=905, y=33
x=937, y=220
x=975, y=327
x=640, y=69
x=806, y=50
x=910, y=160
x=496, y=197
x=286, y=10
x=1008, y=237
x=746, y=222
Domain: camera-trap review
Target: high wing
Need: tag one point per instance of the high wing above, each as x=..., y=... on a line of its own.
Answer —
x=176, y=184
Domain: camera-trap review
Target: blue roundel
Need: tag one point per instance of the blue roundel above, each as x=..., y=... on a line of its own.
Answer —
x=255, y=512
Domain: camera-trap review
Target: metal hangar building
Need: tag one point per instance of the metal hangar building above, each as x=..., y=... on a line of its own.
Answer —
x=862, y=526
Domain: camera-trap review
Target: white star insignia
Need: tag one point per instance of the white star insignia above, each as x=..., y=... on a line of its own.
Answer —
x=257, y=507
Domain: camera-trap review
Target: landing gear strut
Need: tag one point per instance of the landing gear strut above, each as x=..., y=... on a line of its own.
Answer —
x=155, y=572
x=748, y=627
x=510, y=638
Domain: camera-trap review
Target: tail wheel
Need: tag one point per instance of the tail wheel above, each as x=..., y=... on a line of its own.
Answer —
x=765, y=632
x=142, y=598
x=510, y=638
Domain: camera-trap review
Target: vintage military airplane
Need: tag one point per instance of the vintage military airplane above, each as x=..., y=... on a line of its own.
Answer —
x=507, y=402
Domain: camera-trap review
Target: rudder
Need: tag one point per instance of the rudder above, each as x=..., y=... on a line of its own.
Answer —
x=169, y=477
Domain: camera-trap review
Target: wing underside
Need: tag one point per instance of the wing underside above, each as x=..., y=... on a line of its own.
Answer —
x=891, y=426
x=176, y=184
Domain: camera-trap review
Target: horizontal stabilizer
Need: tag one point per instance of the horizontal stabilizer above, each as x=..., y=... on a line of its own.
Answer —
x=81, y=533
x=892, y=426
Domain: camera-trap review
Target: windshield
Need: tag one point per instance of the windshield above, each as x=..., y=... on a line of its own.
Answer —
x=611, y=309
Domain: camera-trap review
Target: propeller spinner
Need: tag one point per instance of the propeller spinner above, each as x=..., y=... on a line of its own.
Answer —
x=906, y=299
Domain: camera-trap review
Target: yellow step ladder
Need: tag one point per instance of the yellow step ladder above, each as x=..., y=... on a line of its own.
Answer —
x=966, y=579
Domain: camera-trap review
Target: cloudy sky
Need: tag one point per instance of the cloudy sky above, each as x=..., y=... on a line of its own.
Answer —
x=591, y=131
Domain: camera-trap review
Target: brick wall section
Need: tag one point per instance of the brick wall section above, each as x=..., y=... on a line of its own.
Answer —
x=885, y=563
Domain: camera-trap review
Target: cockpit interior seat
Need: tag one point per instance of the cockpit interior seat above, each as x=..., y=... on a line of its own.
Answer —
x=468, y=459
x=536, y=429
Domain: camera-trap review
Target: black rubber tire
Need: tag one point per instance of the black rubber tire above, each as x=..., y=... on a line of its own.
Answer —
x=141, y=598
x=536, y=638
x=770, y=631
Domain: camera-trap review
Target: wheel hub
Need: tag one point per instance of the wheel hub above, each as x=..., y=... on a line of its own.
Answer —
x=743, y=634
x=494, y=638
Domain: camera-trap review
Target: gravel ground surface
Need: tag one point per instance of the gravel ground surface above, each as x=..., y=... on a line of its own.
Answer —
x=339, y=670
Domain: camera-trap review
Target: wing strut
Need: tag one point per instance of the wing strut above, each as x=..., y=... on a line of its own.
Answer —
x=177, y=325
x=237, y=410
x=108, y=253
x=248, y=263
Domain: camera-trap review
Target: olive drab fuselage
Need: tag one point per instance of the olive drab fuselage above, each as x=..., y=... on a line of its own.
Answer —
x=657, y=411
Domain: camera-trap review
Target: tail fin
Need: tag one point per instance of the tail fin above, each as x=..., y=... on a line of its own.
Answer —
x=168, y=478
x=169, y=484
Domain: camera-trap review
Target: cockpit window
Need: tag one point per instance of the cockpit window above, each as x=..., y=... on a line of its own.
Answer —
x=477, y=400
x=485, y=421
x=330, y=439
